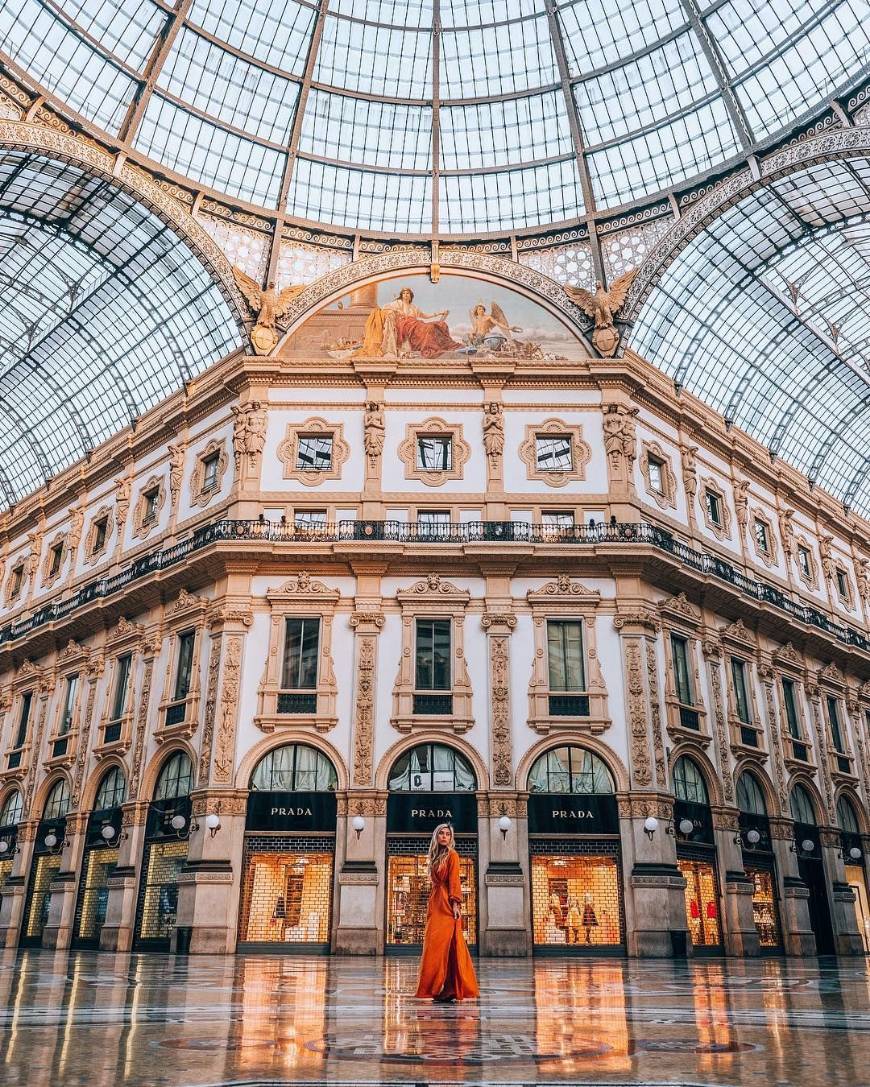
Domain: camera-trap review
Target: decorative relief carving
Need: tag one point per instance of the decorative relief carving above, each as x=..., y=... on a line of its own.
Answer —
x=722, y=530
x=787, y=654
x=186, y=601
x=141, y=727
x=288, y=451
x=203, y=490
x=681, y=607
x=637, y=715
x=460, y=451
x=658, y=735
x=581, y=452
x=85, y=740
x=822, y=743
x=640, y=617
x=214, y=662
x=780, y=777
x=491, y=619
x=373, y=432
x=364, y=723
x=620, y=438
x=563, y=586
x=739, y=632
x=249, y=437
x=175, y=461
x=826, y=555
x=690, y=474
x=665, y=493
x=712, y=652
x=786, y=532
x=92, y=550
x=499, y=683
x=123, y=490
x=741, y=505
x=493, y=434
x=225, y=747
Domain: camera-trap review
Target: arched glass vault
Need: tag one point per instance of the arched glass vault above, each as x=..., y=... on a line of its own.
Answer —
x=106, y=311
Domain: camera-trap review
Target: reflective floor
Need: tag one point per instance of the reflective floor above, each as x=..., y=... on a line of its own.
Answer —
x=100, y=1020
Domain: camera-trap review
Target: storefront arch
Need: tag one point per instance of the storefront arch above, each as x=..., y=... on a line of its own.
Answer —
x=108, y=791
x=705, y=768
x=392, y=755
x=95, y=781
x=759, y=863
x=611, y=760
x=259, y=751
x=805, y=806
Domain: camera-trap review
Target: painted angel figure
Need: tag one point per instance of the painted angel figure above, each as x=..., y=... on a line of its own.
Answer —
x=269, y=305
x=492, y=326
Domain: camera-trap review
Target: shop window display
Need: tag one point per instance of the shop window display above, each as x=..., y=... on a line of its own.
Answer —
x=702, y=902
x=160, y=890
x=576, y=901
x=764, y=911
x=408, y=893
x=94, y=897
x=286, y=896
x=40, y=894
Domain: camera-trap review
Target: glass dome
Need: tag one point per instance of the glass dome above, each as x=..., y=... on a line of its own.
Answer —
x=455, y=117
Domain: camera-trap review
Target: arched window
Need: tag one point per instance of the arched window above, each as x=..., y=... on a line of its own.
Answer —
x=295, y=768
x=801, y=804
x=112, y=791
x=570, y=770
x=176, y=778
x=57, y=804
x=432, y=768
x=846, y=816
x=689, y=782
x=11, y=814
x=750, y=798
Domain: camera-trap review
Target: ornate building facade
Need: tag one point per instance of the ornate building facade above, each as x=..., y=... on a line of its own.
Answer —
x=412, y=567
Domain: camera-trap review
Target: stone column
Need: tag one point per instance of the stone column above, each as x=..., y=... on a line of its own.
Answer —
x=360, y=892
x=797, y=933
x=739, y=934
x=64, y=884
x=655, y=903
x=844, y=918
x=119, y=927
x=209, y=885
x=12, y=901
x=504, y=886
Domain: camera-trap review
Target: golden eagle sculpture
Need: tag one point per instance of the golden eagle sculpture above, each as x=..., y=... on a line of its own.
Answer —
x=602, y=306
x=268, y=305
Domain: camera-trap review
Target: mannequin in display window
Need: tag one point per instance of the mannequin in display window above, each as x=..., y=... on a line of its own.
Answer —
x=573, y=920
x=590, y=921
x=446, y=971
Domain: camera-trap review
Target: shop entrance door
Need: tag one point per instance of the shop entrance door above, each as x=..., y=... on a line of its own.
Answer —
x=812, y=872
x=702, y=903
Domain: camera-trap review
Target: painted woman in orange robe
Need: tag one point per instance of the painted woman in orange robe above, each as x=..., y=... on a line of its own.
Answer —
x=446, y=972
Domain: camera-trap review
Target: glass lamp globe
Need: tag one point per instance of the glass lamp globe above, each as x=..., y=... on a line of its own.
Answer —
x=753, y=837
x=213, y=821
x=358, y=824
x=807, y=845
x=4, y=846
x=108, y=831
x=178, y=822
x=855, y=853
x=505, y=824
x=50, y=840
x=651, y=824
x=686, y=827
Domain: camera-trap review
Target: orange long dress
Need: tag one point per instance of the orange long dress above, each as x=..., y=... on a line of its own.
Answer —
x=446, y=971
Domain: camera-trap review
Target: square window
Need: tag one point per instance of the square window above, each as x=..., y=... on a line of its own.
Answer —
x=435, y=454
x=314, y=451
x=210, y=467
x=656, y=468
x=761, y=537
x=431, y=522
x=713, y=503
x=553, y=453
x=101, y=529
x=309, y=519
x=557, y=518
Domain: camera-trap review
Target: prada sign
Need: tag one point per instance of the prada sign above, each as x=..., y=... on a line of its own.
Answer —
x=420, y=813
x=294, y=812
x=553, y=813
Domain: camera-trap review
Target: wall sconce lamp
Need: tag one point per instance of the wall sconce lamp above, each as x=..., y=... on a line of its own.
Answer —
x=181, y=826
x=650, y=826
x=504, y=825
x=853, y=854
x=806, y=846
x=213, y=823
x=5, y=851
x=685, y=828
x=752, y=837
x=109, y=834
x=52, y=843
x=359, y=825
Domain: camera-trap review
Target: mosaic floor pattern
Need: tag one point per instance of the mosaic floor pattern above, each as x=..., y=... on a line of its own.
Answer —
x=97, y=1020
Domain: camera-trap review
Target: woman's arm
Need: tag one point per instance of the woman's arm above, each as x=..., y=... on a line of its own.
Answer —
x=454, y=884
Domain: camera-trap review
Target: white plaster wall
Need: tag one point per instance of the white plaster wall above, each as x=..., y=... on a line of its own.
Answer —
x=393, y=470
x=352, y=472
x=515, y=471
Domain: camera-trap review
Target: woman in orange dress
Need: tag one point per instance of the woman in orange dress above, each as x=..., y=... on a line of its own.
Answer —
x=446, y=972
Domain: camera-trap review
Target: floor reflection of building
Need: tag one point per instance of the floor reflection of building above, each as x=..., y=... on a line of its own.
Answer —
x=280, y=1022
x=713, y=1016
x=581, y=1018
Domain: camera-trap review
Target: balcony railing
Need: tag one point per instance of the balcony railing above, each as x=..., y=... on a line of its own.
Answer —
x=401, y=532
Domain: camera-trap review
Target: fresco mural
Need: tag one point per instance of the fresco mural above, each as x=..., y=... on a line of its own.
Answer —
x=409, y=317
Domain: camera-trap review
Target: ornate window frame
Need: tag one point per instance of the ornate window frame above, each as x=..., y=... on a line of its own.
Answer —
x=666, y=498
x=200, y=495
x=300, y=597
x=90, y=555
x=432, y=598
x=788, y=664
x=188, y=612
x=832, y=683
x=566, y=598
x=740, y=643
x=581, y=452
x=59, y=540
x=15, y=592
x=319, y=428
x=70, y=661
x=434, y=427
x=812, y=580
x=847, y=600
x=679, y=616
x=125, y=637
x=723, y=531
x=141, y=527
x=28, y=679
x=770, y=556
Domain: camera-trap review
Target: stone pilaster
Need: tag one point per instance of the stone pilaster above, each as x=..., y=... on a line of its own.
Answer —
x=739, y=935
x=367, y=622
x=118, y=929
x=12, y=901
x=797, y=933
x=61, y=911
x=505, y=920
x=844, y=918
x=360, y=887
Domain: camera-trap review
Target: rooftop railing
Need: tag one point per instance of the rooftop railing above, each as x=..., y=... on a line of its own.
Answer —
x=470, y=532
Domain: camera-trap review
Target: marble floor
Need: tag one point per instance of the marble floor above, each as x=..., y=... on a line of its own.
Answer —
x=150, y=1020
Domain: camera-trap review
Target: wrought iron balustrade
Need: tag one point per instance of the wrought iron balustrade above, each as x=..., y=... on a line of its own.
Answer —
x=464, y=533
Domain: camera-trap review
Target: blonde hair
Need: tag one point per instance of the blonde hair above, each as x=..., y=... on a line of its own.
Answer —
x=438, y=853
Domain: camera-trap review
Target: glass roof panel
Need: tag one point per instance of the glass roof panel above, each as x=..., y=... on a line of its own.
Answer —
x=105, y=313
x=723, y=322
x=660, y=92
x=388, y=201
x=518, y=198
